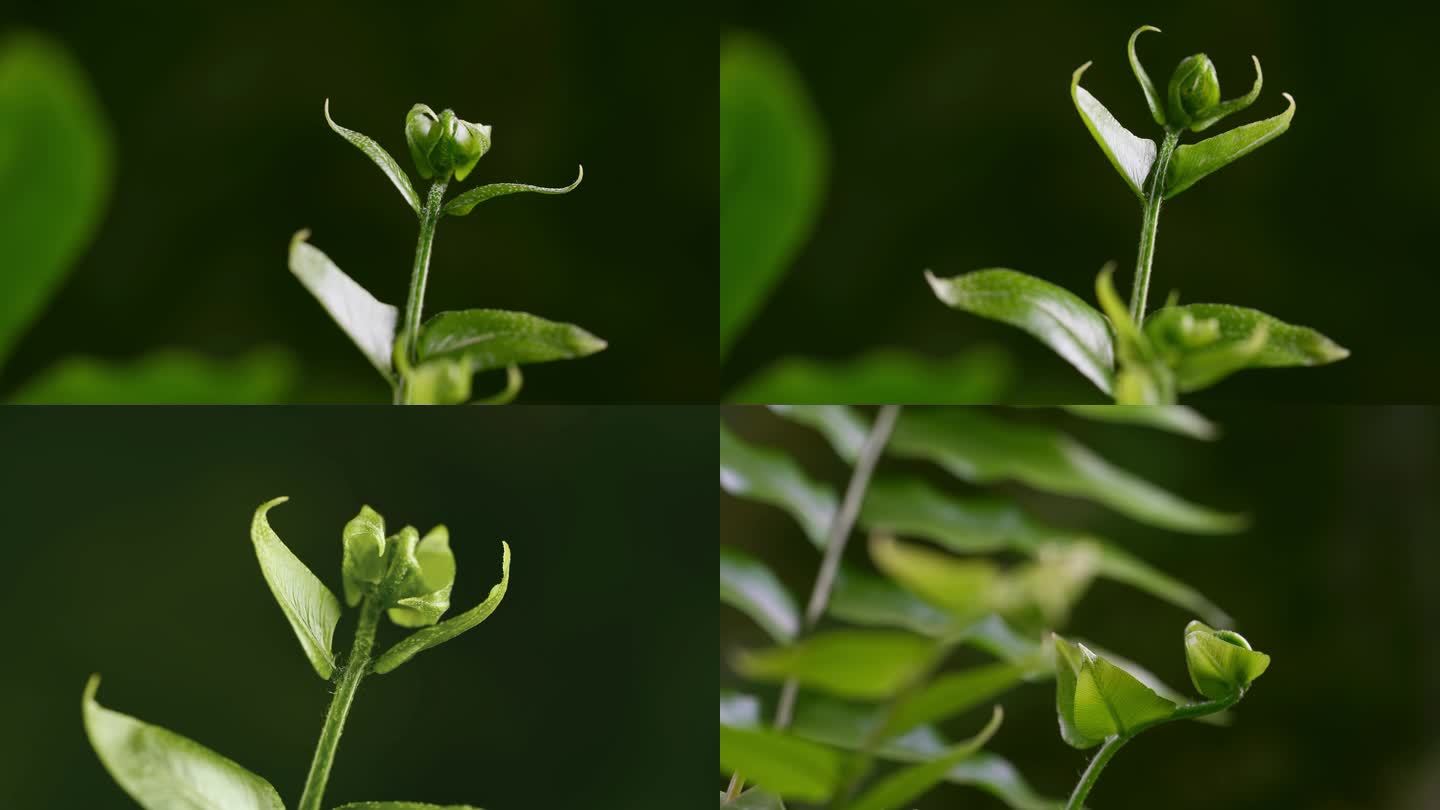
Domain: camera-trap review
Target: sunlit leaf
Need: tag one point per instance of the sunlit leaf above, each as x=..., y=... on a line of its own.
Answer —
x=882, y=376
x=1241, y=338
x=749, y=586
x=1194, y=161
x=169, y=377
x=1177, y=419
x=897, y=790
x=369, y=323
x=1055, y=316
x=849, y=663
x=55, y=169
x=772, y=175
x=493, y=338
x=771, y=477
x=781, y=763
x=162, y=770
x=308, y=605
x=380, y=158
x=1132, y=156
x=465, y=202
x=424, y=639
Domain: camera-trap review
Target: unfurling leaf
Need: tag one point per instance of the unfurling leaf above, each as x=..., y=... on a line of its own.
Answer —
x=1221, y=662
x=749, y=586
x=424, y=593
x=1096, y=699
x=380, y=157
x=363, y=559
x=424, y=639
x=863, y=664
x=1152, y=96
x=445, y=143
x=1054, y=315
x=1191, y=162
x=492, y=338
x=1132, y=156
x=463, y=204
x=308, y=605
x=1206, y=342
x=165, y=771
x=367, y=321
x=781, y=763
x=896, y=791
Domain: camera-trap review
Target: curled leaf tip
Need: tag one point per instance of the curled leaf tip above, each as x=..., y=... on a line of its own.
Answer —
x=91, y=687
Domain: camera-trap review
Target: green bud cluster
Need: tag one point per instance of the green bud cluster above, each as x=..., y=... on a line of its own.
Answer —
x=444, y=144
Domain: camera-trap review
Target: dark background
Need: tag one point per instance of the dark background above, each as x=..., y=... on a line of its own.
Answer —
x=955, y=146
x=127, y=553
x=1335, y=580
x=222, y=153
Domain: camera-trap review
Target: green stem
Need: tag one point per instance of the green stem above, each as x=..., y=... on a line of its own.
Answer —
x=1149, y=224
x=355, y=670
x=410, y=328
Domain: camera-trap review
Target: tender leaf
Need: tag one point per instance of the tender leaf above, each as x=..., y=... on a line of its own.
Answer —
x=897, y=790
x=380, y=157
x=463, y=204
x=754, y=799
x=308, y=605
x=403, y=806
x=494, y=338
x=55, y=168
x=363, y=554
x=1058, y=318
x=1234, y=105
x=167, y=376
x=424, y=594
x=1194, y=161
x=965, y=588
x=882, y=376
x=781, y=763
x=1236, y=347
x=1131, y=156
x=1096, y=699
x=748, y=585
x=1221, y=662
x=165, y=771
x=952, y=694
x=369, y=323
x=981, y=449
x=1177, y=419
x=1152, y=96
x=868, y=664
x=422, y=640
x=772, y=175
x=771, y=477
x=863, y=598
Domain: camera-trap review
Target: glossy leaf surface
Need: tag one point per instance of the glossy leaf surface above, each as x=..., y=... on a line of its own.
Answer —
x=166, y=376
x=897, y=790
x=162, y=770
x=380, y=158
x=1096, y=699
x=761, y=474
x=1236, y=346
x=749, y=586
x=1221, y=663
x=1132, y=156
x=465, y=202
x=781, y=763
x=867, y=664
x=1194, y=161
x=881, y=376
x=424, y=639
x=310, y=608
x=369, y=323
x=1053, y=315
x=772, y=175
x=493, y=338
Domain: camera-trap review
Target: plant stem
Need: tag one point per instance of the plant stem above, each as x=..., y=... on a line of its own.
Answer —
x=355, y=670
x=1150, y=222
x=410, y=328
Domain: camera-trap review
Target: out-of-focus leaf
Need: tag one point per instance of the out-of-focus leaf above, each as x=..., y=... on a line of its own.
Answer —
x=739, y=709
x=754, y=799
x=165, y=771
x=871, y=664
x=1193, y=161
x=749, y=586
x=1055, y=316
x=846, y=428
x=965, y=588
x=1096, y=699
x=781, y=763
x=772, y=175
x=55, y=169
x=863, y=598
x=465, y=202
x=171, y=376
x=493, y=338
x=951, y=694
x=1132, y=156
x=981, y=449
x=897, y=790
x=369, y=323
x=308, y=605
x=771, y=477
x=380, y=158
x=1177, y=419
x=403, y=806
x=1242, y=338
x=882, y=376
x=421, y=640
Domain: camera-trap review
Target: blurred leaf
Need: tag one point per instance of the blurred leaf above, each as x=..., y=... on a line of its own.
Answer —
x=1096, y=699
x=897, y=790
x=781, y=763
x=1193, y=161
x=951, y=694
x=422, y=640
x=380, y=158
x=846, y=428
x=980, y=449
x=1234, y=345
x=772, y=175
x=739, y=709
x=403, y=806
x=493, y=338
x=754, y=799
x=1055, y=316
x=863, y=598
x=850, y=663
x=55, y=168
x=1131, y=155
x=369, y=323
x=748, y=585
x=882, y=376
x=308, y=605
x=1177, y=419
x=165, y=771
x=771, y=477
x=169, y=376
x=464, y=203
x=965, y=588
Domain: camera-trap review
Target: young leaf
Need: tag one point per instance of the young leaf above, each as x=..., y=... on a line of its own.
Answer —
x=1194, y=161
x=424, y=593
x=422, y=640
x=1242, y=338
x=165, y=771
x=865, y=664
x=363, y=554
x=368, y=322
x=747, y=585
x=1096, y=699
x=1131, y=156
x=767, y=476
x=446, y=381
x=463, y=204
x=165, y=376
x=380, y=157
x=978, y=448
x=754, y=799
x=403, y=806
x=308, y=605
x=1177, y=419
x=882, y=375
x=897, y=790
x=1221, y=662
x=493, y=338
x=772, y=175
x=55, y=168
x=1059, y=319
x=1152, y=96
x=781, y=763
